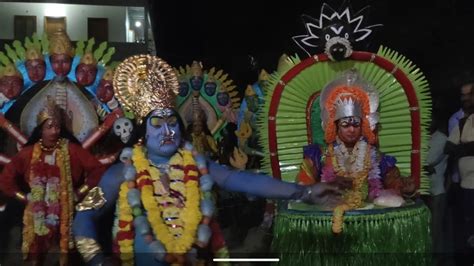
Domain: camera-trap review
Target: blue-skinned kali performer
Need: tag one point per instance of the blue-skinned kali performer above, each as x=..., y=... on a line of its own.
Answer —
x=161, y=189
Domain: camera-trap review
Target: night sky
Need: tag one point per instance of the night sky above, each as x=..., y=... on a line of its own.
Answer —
x=437, y=35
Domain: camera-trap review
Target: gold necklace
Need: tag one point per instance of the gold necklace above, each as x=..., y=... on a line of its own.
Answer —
x=50, y=149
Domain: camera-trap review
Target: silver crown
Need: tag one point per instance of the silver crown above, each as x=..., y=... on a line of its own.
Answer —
x=347, y=107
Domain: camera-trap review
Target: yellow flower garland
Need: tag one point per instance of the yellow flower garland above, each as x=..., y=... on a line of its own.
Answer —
x=190, y=216
x=66, y=201
x=353, y=198
x=125, y=215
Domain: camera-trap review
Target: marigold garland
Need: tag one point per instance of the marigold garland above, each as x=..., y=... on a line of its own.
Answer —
x=189, y=216
x=353, y=198
x=125, y=227
x=65, y=201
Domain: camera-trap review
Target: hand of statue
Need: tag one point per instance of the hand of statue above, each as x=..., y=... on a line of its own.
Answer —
x=238, y=159
x=327, y=195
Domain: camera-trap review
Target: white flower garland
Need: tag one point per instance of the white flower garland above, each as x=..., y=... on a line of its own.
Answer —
x=356, y=157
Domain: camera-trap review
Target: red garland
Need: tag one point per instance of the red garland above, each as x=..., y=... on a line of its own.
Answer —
x=125, y=235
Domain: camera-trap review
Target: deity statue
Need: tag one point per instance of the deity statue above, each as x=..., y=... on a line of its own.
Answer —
x=162, y=186
x=349, y=116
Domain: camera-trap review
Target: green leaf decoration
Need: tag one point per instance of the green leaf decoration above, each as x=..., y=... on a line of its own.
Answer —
x=37, y=42
x=20, y=50
x=90, y=44
x=395, y=133
x=45, y=43
x=11, y=53
x=28, y=42
x=80, y=48
x=100, y=51
x=106, y=58
x=113, y=64
x=4, y=59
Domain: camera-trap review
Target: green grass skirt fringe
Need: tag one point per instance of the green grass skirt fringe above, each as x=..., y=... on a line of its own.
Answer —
x=394, y=236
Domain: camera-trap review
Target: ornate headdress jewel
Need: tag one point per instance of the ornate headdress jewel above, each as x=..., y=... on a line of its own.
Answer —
x=144, y=83
x=10, y=70
x=50, y=111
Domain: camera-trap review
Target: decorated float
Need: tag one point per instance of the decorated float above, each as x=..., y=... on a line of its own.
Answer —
x=384, y=96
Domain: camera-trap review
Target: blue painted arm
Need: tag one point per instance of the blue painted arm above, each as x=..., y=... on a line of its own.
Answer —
x=84, y=224
x=255, y=184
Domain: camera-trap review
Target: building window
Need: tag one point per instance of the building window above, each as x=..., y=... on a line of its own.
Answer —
x=54, y=24
x=98, y=28
x=23, y=26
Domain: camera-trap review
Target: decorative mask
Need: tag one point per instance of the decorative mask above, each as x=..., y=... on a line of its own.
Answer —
x=338, y=33
x=86, y=70
x=11, y=86
x=61, y=64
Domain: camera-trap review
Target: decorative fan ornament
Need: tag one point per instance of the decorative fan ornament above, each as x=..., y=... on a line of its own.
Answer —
x=337, y=34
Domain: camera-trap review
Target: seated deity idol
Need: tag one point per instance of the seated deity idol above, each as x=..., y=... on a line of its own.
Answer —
x=349, y=117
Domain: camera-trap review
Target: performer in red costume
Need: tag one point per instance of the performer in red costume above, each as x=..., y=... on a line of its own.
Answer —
x=49, y=176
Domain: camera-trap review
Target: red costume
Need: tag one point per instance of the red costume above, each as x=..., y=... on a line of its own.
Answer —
x=55, y=182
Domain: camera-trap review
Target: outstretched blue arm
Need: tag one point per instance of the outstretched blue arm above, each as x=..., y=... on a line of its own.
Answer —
x=254, y=184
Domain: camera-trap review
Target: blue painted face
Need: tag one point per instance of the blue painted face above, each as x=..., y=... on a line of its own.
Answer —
x=163, y=135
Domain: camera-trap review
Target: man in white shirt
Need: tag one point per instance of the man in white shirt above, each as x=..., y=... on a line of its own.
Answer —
x=460, y=147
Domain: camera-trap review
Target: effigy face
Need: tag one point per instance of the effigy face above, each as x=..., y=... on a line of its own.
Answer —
x=85, y=74
x=163, y=134
x=349, y=130
x=36, y=69
x=223, y=99
x=11, y=86
x=105, y=92
x=61, y=64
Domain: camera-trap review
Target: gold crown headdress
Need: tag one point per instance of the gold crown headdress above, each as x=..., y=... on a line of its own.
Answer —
x=33, y=53
x=59, y=43
x=109, y=74
x=196, y=69
x=144, y=83
x=9, y=70
x=88, y=59
x=249, y=91
x=263, y=76
x=50, y=111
